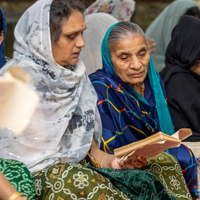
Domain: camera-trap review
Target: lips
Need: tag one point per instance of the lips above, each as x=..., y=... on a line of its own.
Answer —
x=137, y=75
x=76, y=54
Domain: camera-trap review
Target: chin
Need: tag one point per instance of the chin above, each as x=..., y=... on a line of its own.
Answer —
x=137, y=80
x=74, y=61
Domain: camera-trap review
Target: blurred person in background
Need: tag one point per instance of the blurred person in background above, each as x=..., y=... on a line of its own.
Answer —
x=2, y=38
x=181, y=76
x=97, y=25
x=122, y=10
x=161, y=28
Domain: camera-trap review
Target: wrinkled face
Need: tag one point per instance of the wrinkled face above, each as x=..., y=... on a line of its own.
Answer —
x=130, y=59
x=67, y=49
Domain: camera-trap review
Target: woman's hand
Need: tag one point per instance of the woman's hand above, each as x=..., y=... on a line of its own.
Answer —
x=151, y=44
x=111, y=161
x=132, y=162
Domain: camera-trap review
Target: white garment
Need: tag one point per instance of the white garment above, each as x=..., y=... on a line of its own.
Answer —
x=97, y=26
x=66, y=118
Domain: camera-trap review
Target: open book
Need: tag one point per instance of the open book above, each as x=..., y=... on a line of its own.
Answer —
x=17, y=100
x=153, y=145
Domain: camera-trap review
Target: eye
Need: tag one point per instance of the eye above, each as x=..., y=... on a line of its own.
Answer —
x=142, y=54
x=124, y=57
x=71, y=37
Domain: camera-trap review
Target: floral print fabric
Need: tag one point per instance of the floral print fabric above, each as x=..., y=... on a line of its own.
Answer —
x=78, y=182
x=122, y=10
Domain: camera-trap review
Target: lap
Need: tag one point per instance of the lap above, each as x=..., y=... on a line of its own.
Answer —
x=187, y=161
x=75, y=181
x=168, y=171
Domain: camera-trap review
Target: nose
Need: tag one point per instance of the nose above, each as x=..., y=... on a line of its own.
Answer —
x=80, y=42
x=136, y=63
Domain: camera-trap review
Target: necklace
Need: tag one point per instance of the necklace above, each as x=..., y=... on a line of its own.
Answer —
x=141, y=89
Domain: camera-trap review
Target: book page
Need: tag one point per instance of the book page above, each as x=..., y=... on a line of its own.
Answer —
x=152, y=145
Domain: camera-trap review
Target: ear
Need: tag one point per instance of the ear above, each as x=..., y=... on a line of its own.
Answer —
x=1, y=37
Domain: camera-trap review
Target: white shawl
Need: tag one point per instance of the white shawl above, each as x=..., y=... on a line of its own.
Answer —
x=66, y=119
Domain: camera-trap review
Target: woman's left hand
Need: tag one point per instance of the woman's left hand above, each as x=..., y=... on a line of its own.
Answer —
x=132, y=162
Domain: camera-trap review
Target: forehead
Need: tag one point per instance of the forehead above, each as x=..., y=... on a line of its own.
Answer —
x=131, y=43
x=74, y=23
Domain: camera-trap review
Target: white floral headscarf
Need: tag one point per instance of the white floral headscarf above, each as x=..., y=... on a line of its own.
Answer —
x=66, y=119
x=122, y=10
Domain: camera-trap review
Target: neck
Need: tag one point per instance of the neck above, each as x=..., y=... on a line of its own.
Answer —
x=139, y=88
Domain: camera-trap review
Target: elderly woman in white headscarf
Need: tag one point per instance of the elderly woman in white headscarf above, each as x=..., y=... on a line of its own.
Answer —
x=61, y=143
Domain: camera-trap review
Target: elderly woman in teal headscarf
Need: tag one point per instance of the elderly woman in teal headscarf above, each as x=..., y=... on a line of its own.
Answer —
x=132, y=102
x=2, y=38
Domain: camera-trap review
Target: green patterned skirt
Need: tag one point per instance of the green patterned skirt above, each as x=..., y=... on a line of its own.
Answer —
x=167, y=169
x=82, y=181
x=19, y=176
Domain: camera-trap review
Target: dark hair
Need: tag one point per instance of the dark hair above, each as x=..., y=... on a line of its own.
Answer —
x=1, y=22
x=194, y=11
x=61, y=9
x=123, y=30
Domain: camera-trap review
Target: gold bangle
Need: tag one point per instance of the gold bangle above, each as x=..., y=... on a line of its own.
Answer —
x=15, y=195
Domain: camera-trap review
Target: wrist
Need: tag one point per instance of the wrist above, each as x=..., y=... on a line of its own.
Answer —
x=15, y=196
x=106, y=161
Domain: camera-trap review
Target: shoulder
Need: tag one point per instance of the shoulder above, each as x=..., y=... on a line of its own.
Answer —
x=98, y=75
x=179, y=80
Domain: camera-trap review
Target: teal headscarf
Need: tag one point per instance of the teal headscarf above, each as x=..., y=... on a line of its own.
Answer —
x=164, y=117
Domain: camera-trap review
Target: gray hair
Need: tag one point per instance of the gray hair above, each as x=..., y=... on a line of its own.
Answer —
x=62, y=9
x=123, y=30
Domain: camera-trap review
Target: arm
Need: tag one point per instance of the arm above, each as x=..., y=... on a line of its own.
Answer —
x=133, y=162
x=6, y=189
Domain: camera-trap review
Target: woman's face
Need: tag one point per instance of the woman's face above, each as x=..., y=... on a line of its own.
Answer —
x=196, y=68
x=130, y=59
x=67, y=49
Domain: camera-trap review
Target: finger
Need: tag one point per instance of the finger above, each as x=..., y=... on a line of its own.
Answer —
x=151, y=51
x=142, y=159
x=151, y=46
x=122, y=165
x=150, y=40
x=135, y=163
x=129, y=166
